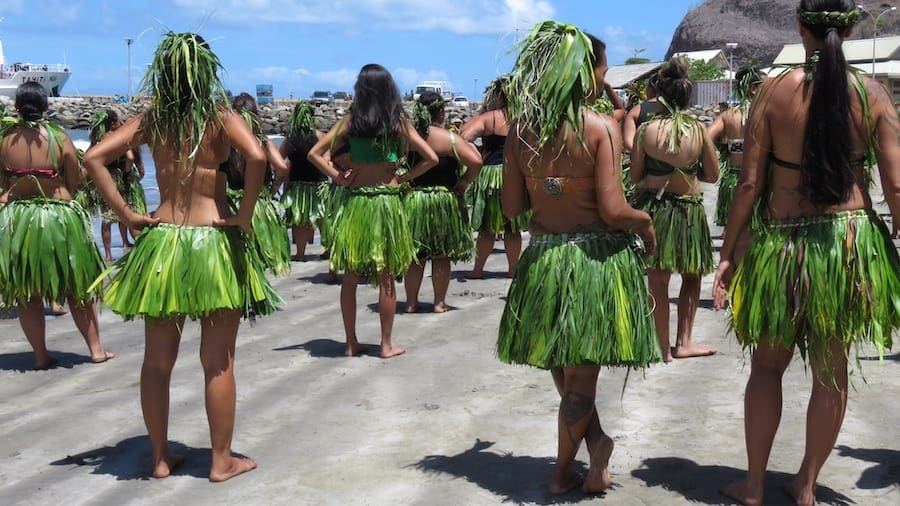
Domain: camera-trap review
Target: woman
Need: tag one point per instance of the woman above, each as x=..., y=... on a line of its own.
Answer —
x=372, y=237
x=729, y=125
x=821, y=274
x=672, y=154
x=269, y=235
x=193, y=259
x=302, y=195
x=578, y=299
x=484, y=194
x=56, y=260
x=641, y=113
x=437, y=213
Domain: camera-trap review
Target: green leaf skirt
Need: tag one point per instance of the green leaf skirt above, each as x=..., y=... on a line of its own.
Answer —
x=270, y=236
x=683, y=242
x=484, y=202
x=439, y=223
x=137, y=199
x=371, y=233
x=89, y=198
x=807, y=280
x=333, y=197
x=578, y=300
x=727, y=184
x=47, y=249
x=303, y=203
x=175, y=271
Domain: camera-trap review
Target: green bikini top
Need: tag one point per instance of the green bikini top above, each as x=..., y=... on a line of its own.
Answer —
x=379, y=149
x=655, y=167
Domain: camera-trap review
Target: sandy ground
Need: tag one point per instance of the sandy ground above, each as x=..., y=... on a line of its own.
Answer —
x=444, y=424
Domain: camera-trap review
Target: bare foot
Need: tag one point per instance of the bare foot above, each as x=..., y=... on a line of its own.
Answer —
x=45, y=364
x=107, y=355
x=692, y=351
x=57, y=310
x=109, y=260
x=440, y=307
x=474, y=275
x=598, y=478
x=354, y=349
x=391, y=351
x=801, y=496
x=740, y=492
x=560, y=486
x=164, y=468
x=298, y=258
x=412, y=308
x=237, y=466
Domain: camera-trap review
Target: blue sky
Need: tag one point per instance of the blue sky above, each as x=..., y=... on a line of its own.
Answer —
x=303, y=45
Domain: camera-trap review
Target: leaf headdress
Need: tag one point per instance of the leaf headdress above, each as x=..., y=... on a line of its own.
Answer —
x=421, y=118
x=552, y=76
x=302, y=121
x=184, y=89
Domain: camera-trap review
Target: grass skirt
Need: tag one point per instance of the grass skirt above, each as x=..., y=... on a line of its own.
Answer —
x=137, y=199
x=807, y=280
x=579, y=300
x=46, y=248
x=303, y=203
x=270, y=237
x=89, y=198
x=371, y=233
x=333, y=197
x=175, y=271
x=484, y=201
x=439, y=223
x=727, y=184
x=683, y=243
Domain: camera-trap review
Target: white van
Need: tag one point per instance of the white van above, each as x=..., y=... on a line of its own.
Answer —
x=442, y=88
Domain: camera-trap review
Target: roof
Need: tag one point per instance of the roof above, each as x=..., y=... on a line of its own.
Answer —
x=858, y=50
x=709, y=55
x=621, y=76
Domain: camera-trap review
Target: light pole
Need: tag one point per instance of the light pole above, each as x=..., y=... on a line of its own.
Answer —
x=475, y=95
x=731, y=47
x=876, y=19
x=128, y=41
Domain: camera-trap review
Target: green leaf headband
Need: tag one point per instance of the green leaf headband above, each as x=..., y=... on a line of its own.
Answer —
x=421, y=118
x=98, y=124
x=829, y=18
x=302, y=121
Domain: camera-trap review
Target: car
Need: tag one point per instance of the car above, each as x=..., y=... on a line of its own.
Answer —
x=461, y=101
x=340, y=95
x=320, y=98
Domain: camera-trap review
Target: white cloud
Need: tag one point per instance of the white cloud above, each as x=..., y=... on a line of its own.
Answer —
x=621, y=44
x=407, y=78
x=457, y=16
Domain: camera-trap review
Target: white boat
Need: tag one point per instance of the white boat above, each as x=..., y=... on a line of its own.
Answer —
x=51, y=77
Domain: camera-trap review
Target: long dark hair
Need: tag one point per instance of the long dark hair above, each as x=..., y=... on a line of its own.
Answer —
x=301, y=135
x=827, y=176
x=377, y=109
x=31, y=101
x=101, y=124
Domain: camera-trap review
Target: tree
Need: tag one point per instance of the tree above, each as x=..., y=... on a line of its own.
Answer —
x=704, y=71
x=633, y=60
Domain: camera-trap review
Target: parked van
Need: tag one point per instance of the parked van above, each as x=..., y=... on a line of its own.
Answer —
x=442, y=88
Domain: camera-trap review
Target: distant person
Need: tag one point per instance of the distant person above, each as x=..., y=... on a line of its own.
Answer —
x=672, y=154
x=436, y=205
x=484, y=194
x=47, y=249
x=303, y=189
x=192, y=260
x=821, y=274
x=372, y=237
x=641, y=113
x=578, y=301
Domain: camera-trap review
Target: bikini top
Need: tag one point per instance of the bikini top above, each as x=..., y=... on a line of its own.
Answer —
x=381, y=149
x=445, y=173
x=492, y=149
x=735, y=146
x=48, y=172
x=797, y=167
x=654, y=167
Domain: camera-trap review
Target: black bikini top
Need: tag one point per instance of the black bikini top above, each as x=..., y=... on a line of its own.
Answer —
x=797, y=167
x=654, y=167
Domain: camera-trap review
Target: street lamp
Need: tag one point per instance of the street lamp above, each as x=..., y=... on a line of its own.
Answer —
x=875, y=30
x=128, y=41
x=731, y=47
x=475, y=95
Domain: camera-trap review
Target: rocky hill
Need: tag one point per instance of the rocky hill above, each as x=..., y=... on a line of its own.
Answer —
x=760, y=27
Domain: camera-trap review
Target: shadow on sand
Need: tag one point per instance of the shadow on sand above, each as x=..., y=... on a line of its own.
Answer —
x=513, y=478
x=130, y=459
x=329, y=348
x=24, y=361
x=700, y=484
x=895, y=357
x=322, y=278
x=884, y=474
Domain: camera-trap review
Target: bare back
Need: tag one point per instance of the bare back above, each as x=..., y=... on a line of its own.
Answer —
x=693, y=147
x=28, y=149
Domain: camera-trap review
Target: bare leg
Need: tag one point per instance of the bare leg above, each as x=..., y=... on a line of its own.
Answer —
x=762, y=414
x=658, y=284
x=440, y=281
x=31, y=318
x=302, y=236
x=687, y=310
x=575, y=410
x=824, y=417
x=218, y=334
x=483, y=246
x=412, y=281
x=387, y=306
x=106, y=237
x=513, y=245
x=123, y=231
x=86, y=320
x=348, y=312
x=160, y=351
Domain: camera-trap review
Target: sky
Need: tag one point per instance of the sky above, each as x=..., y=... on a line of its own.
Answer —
x=299, y=46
